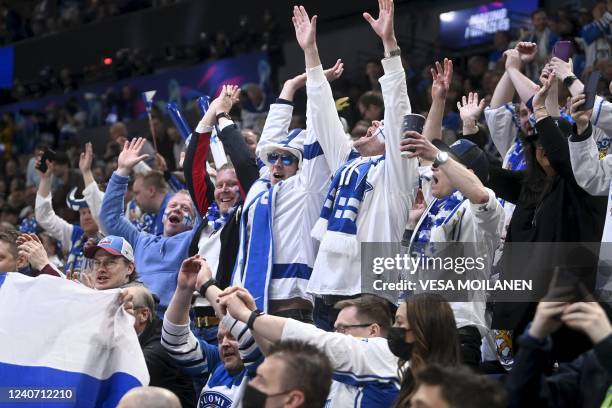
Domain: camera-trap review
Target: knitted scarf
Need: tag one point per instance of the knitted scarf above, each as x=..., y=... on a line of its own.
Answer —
x=439, y=211
x=337, y=226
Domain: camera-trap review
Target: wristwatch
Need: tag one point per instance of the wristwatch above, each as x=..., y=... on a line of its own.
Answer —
x=393, y=53
x=441, y=158
x=224, y=115
x=254, y=315
x=207, y=285
x=568, y=81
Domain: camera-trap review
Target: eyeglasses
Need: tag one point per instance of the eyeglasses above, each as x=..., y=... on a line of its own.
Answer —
x=342, y=328
x=108, y=263
x=287, y=159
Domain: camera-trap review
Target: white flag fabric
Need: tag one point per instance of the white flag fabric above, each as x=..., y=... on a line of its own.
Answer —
x=56, y=334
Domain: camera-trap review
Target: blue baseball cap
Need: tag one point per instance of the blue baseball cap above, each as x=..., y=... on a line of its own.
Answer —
x=469, y=154
x=114, y=245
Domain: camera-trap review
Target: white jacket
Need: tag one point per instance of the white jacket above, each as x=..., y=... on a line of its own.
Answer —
x=394, y=180
x=298, y=201
x=57, y=227
x=365, y=370
x=480, y=225
x=590, y=160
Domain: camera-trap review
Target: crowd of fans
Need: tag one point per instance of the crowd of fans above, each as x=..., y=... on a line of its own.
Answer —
x=127, y=63
x=51, y=16
x=245, y=276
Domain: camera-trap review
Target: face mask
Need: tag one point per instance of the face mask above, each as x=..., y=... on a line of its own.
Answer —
x=397, y=343
x=253, y=398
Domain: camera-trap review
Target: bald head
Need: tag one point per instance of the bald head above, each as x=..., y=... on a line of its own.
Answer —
x=149, y=397
x=144, y=307
x=118, y=133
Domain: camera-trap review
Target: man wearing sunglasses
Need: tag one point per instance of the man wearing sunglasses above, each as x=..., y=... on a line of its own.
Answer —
x=276, y=252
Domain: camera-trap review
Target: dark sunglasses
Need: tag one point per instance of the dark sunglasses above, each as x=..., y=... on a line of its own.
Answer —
x=287, y=159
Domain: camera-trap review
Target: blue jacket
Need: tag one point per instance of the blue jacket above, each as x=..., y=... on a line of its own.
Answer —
x=158, y=258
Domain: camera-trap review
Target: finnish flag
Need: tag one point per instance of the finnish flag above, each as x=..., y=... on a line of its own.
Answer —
x=76, y=344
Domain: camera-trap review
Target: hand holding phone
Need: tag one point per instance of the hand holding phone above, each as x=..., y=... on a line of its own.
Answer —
x=562, y=50
x=47, y=155
x=590, y=91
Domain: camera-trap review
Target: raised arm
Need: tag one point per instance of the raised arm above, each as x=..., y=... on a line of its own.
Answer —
x=322, y=122
x=401, y=174
x=277, y=123
x=470, y=110
x=92, y=194
x=601, y=115
x=237, y=149
x=346, y=353
x=442, y=77
x=198, y=181
x=43, y=210
x=459, y=176
x=591, y=173
x=553, y=141
x=111, y=213
x=525, y=87
x=196, y=357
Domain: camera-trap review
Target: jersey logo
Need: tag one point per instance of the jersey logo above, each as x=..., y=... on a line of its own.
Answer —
x=213, y=399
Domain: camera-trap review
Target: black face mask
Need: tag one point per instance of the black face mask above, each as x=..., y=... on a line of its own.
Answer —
x=397, y=343
x=253, y=398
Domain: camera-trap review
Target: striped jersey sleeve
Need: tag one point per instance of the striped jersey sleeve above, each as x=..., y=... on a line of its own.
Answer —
x=194, y=356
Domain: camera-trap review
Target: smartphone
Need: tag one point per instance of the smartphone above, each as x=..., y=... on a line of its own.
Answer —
x=47, y=155
x=590, y=90
x=562, y=50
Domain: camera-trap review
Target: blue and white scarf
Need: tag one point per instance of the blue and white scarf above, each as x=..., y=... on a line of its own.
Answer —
x=215, y=218
x=337, y=224
x=77, y=261
x=438, y=213
x=516, y=159
x=257, y=271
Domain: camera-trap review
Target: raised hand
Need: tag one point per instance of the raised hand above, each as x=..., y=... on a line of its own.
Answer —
x=334, y=72
x=417, y=210
x=589, y=318
x=527, y=51
x=418, y=145
x=383, y=25
x=47, y=174
x=34, y=251
x=470, y=109
x=561, y=68
x=126, y=299
x=231, y=302
x=230, y=94
x=546, y=320
x=305, y=28
x=86, y=158
x=188, y=274
x=539, y=98
x=204, y=274
x=130, y=156
x=442, y=77
x=581, y=117
x=513, y=59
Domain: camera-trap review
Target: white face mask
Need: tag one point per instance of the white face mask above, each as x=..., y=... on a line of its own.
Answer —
x=380, y=132
x=425, y=172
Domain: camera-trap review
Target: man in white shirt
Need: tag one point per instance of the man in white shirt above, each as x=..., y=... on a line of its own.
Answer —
x=365, y=369
x=358, y=208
